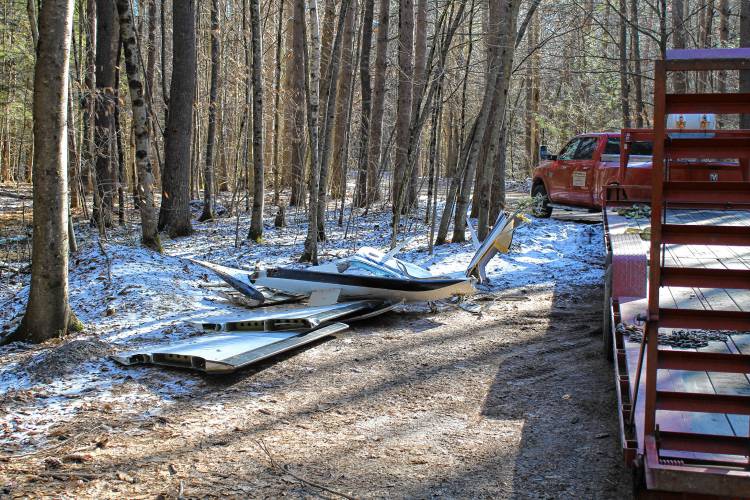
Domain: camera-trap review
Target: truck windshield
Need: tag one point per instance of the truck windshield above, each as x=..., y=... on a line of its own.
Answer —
x=640, y=148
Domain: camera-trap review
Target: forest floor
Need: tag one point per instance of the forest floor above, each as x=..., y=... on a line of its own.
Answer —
x=517, y=402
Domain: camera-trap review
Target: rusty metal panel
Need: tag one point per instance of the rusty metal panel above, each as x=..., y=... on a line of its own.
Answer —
x=702, y=402
x=719, y=193
x=707, y=59
x=704, y=443
x=702, y=235
x=704, y=319
x=668, y=475
x=708, y=103
x=714, y=147
x=704, y=361
x=705, y=278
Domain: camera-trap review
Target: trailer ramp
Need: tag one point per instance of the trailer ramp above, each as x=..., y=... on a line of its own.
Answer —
x=685, y=408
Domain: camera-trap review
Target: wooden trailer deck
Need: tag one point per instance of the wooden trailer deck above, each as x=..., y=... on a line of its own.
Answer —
x=632, y=310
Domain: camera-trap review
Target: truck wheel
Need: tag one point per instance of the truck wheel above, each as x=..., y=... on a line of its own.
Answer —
x=540, y=207
x=606, y=319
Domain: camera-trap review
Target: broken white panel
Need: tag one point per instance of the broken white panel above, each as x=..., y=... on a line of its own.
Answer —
x=324, y=297
x=377, y=312
x=359, y=286
x=499, y=240
x=287, y=318
x=239, y=279
x=227, y=352
x=401, y=267
x=472, y=232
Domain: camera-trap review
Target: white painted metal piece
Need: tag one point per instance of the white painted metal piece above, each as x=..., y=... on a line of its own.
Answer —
x=463, y=287
x=227, y=352
x=286, y=318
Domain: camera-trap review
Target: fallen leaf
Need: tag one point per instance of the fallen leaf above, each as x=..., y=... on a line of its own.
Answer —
x=125, y=477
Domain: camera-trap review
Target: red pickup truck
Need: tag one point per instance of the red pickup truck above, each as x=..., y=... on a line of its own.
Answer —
x=589, y=164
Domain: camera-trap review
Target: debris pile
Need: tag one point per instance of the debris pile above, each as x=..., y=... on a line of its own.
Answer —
x=369, y=282
x=637, y=211
x=685, y=339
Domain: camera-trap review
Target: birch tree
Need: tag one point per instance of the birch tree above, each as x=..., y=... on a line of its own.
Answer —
x=312, y=89
x=256, y=224
x=149, y=232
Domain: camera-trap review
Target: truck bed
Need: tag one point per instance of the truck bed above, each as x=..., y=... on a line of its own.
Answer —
x=629, y=309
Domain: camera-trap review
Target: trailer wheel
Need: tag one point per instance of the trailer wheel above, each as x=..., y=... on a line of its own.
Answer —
x=540, y=207
x=606, y=319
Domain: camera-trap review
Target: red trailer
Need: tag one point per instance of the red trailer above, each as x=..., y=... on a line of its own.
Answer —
x=677, y=315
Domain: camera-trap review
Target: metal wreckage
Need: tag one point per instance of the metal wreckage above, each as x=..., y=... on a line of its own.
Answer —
x=361, y=286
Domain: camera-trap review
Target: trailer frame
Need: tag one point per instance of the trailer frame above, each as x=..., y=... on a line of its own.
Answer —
x=668, y=462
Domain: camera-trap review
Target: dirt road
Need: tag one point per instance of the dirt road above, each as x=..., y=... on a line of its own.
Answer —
x=517, y=403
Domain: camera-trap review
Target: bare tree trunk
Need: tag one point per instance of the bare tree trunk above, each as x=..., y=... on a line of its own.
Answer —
x=640, y=109
x=276, y=98
x=163, y=58
x=437, y=110
x=107, y=46
x=679, y=79
x=312, y=84
x=48, y=313
x=723, y=42
x=74, y=155
x=378, y=103
x=532, y=98
x=492, y=186
x=707, y=24
x=89, y=113
x=456, y=167
x=360, y=193
x=418, y=120
x=31, y=13
x=208, y=171
x=745, y=42
x=491, y=22
x=294, y=125
x=256, y=219
x=624, y=85
x=326, y=41
x=150, y=235
x=469, y=160
x=405, y=95
x=150, y=90
x=705, y=29
x=329, y=116
x=343, y=96
x=120, y=174
x=175, y=210
x=420, y=69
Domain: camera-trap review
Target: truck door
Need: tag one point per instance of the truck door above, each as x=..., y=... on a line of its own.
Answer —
x=582, y=172
x=558, y=177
